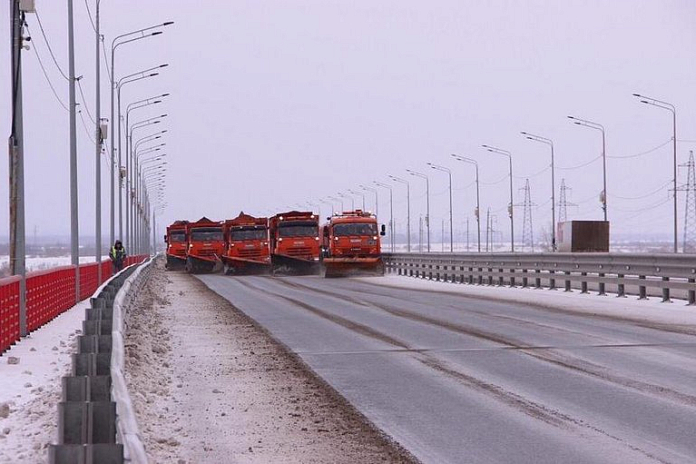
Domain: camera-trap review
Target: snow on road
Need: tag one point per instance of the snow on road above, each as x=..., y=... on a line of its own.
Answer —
x=31, y=389
x=676, y=314
x=209, y=385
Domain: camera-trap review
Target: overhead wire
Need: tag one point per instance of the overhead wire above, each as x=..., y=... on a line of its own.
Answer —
x=568, y=168
x=89, y=15
x=84, y=100
x=647, y=152
x=48, y=80
x=48, y=45
x=646, y=195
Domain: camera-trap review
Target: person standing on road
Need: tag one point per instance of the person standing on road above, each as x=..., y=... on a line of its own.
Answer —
x=118, y=256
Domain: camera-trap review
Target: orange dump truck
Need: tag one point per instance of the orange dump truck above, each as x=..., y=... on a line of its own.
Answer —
x=352, y=245
x=176, y=245
x=246, y=245
x=295, y=242
x=205, y=246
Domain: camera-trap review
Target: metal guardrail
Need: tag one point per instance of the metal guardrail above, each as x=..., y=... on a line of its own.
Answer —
x=669, y=275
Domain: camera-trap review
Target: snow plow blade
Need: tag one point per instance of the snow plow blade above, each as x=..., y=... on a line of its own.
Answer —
x=285, y=264
x=343, y=267
x=175, y=263
x=195, y=265
x=243, y=266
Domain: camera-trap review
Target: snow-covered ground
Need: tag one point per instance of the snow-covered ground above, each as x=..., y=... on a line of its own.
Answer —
x=652, y=310
x=31, y=389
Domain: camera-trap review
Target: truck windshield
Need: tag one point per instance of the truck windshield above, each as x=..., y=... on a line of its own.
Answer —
x=247, y=234
x=342, y=230
x=298, y=230
x=177, y=236
x=206, y=234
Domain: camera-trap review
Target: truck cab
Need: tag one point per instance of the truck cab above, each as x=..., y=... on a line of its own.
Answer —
x=247, y=247
x=295, y=242
x=352, y=244
x=176, y=245
x=205, y=246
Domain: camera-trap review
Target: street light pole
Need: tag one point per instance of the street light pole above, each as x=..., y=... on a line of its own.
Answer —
x=375, y=191
x=114, y=45
x=669, y=107
x=74, y=224
x=98, y=142
x=391, y=212
x=511, y=205
x=352, y=200
x=478, y=197
x=361, y=194
x=408, y=210
x=599, y=127
x=449, y=173
x=427, y=201
x=119, y=85
x=339, y=200
x=549, y=142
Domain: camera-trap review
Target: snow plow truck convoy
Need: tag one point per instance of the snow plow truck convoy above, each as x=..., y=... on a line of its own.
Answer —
x=288, y=243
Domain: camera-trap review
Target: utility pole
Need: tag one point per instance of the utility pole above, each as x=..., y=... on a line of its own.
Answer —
x=74, y=227
x=99, y=140
x=16, y=159
x=689, y=245
x=527, y=227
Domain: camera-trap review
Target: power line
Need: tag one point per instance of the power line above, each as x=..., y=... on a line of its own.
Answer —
x=89, y=15
x=642, y=153
x=82, y=118
x=568, y=168
x=84, y=100
x=43, y=69
x=48, y=45
x=646, y=195
x=106, y=62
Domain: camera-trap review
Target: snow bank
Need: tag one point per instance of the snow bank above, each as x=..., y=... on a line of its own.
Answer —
x=31, y=389
x=651, y=310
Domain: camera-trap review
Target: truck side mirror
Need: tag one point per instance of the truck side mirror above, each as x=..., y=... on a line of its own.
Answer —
x=383, y=230
x=165, y=239
x=326, y=231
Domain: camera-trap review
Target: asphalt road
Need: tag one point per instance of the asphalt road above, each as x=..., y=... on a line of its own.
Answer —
x=458, y=379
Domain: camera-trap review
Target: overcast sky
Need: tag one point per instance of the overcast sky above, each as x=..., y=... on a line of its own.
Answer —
x=276, y=103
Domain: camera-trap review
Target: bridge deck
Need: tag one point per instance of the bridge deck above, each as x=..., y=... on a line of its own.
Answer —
x=461, y=379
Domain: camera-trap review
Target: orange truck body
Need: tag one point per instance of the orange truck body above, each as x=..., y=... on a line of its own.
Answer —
x=247, y=247
x=295, y=242
x=176, y=245
x=205, y=245
x=352, y=245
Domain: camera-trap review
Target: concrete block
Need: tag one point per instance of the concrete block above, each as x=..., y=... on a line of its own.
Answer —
x=86, y=422
x=91, y=364
x=97, y=327
x=87, y=388
x=86, y=454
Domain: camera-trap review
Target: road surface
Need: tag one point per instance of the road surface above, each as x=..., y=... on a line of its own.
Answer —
x=460, y=379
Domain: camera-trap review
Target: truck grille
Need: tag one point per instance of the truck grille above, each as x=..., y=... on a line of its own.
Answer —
x=206, y=252
x=300, y=251
x=249, y=253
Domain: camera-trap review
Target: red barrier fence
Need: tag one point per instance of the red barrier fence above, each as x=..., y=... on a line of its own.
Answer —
x=9, y=311
x=49, y=293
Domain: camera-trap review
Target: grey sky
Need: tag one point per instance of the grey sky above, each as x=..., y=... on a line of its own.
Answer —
x=279, y=102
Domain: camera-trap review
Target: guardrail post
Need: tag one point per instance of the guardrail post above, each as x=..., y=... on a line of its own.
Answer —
x=537, y=279
x=552, y=281
x=567, y=282
x=500, y=278
x=665, y=291
x=479, y=278
x=512, y=278
x=692, y=293
x=621, y=293
x=642, y=290
x=470, y=277
x=602, y=285
x=489, y=277
x=583, y=284
x=525, y=279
